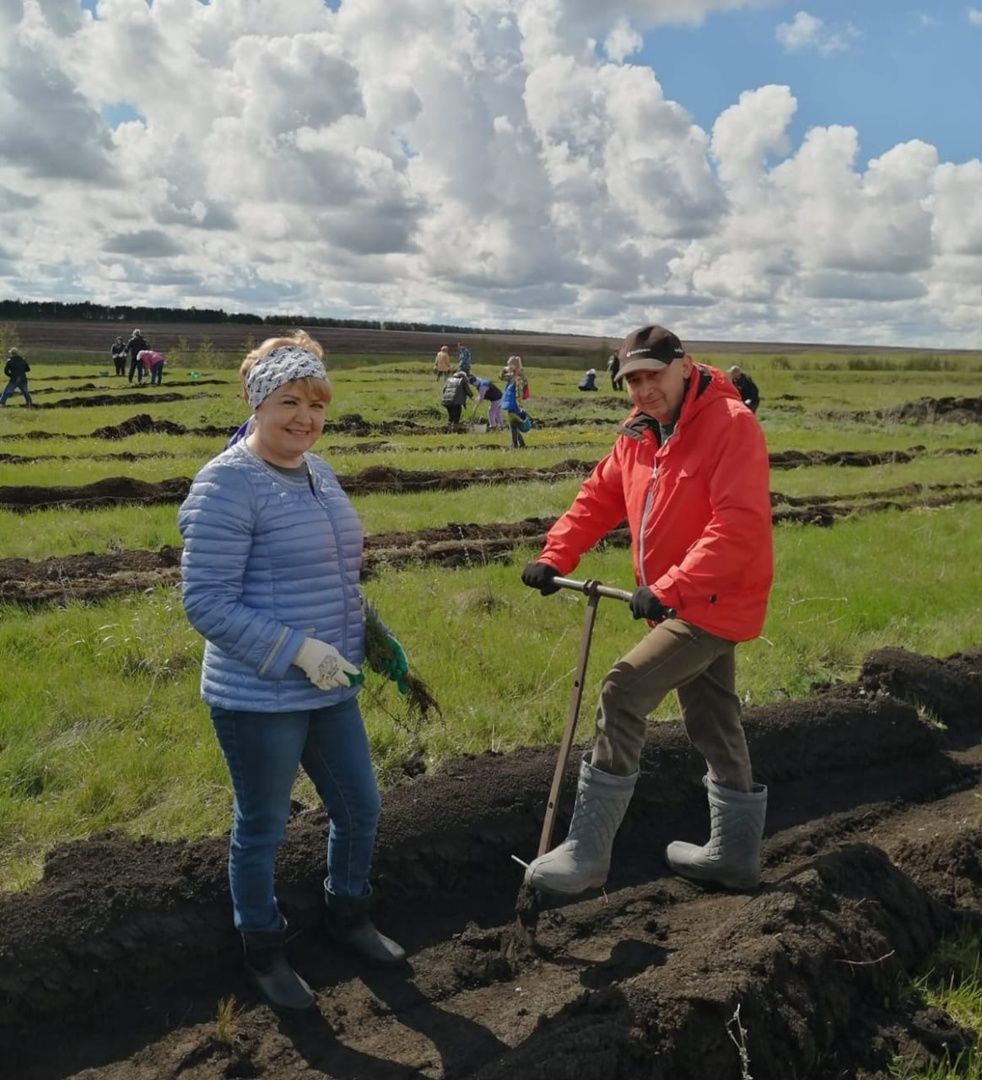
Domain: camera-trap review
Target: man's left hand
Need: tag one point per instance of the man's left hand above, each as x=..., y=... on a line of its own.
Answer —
x=645, y=605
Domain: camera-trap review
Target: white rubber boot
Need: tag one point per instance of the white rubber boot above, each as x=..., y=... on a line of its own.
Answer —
x=582, y=860
x=731, y=855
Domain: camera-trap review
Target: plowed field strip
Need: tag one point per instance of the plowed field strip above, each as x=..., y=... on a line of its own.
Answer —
x=92, y=577
x=871, y=856
x=789, y=459
x=123, y=491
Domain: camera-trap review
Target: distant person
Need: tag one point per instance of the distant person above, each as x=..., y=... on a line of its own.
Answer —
x=442, y=364
x=118, y=353
x=456, y=391
x=271, y=579
x=745, y=387
x=16, y=369
x=515, y=369
x=689, y=472
x=489, y=392
x=463, y=358
x=134, y=347
x=512, y=408
x=153, y=364
x=589, y=380
x=613, y=366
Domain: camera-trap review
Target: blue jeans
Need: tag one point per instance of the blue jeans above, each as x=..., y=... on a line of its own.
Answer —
x=18, y=382
x=263, y=752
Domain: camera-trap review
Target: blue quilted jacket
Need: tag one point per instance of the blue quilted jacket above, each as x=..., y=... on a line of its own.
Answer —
x=270, y=559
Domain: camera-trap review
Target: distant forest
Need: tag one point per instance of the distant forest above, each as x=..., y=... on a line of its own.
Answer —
x=20, y=310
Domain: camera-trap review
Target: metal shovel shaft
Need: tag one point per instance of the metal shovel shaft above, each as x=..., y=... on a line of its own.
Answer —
x=593, y=590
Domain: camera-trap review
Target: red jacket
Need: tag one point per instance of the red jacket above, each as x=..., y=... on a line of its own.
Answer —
x=698, y=508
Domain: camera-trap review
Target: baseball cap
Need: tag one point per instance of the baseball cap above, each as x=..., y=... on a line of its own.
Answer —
x=651, y=348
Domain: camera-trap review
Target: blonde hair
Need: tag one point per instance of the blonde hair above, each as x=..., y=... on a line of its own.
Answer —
x=318, y=389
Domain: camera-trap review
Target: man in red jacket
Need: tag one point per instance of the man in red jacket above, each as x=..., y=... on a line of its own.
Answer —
x=689, y=471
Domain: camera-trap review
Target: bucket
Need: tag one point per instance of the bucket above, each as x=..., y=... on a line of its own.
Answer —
x=479, y=429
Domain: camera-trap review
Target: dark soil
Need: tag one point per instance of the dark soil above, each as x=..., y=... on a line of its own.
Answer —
x=951, y=410
x=115, y=963
x=91, y=577
x=95, y=337
x=138, y=397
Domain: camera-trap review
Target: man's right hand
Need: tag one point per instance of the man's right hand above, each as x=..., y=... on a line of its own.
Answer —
x=326, y=668
x=539, y=575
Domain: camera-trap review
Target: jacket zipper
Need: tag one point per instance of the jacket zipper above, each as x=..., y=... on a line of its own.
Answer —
x=337, y=547
x=648, y=499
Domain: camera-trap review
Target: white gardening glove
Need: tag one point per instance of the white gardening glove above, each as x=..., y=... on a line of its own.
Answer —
x=326, y=668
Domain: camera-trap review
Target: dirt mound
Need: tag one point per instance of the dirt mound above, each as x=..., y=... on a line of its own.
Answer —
x=795, y=459
x=111, y=399
x=140, y=424
x=951, y=410
x=873, y=852
x=113, y=491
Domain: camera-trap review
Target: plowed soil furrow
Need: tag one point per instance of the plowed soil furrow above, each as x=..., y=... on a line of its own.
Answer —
x=122, y=491
x=93, y=577
x=926, y=410
x=873, y=851
x=136, y=398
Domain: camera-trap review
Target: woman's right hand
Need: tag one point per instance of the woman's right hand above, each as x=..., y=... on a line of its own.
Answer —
x=326, y=668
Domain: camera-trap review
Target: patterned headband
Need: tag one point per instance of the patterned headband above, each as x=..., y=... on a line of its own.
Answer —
x=282, y=365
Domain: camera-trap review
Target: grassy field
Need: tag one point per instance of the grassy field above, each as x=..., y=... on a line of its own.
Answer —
x=100, y=721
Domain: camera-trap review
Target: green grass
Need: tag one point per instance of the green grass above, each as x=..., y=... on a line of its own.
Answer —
x=100, y=721
x=952, y=983
x=101, y=726
x=61, y=532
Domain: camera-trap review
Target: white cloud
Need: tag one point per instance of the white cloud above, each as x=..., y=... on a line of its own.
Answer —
x=975, y=16
x=497, y=167
x=622, y=41
x=805, y=31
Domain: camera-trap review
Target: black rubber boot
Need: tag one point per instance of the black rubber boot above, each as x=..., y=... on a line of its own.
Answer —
x=268, y=969
x=348, y=923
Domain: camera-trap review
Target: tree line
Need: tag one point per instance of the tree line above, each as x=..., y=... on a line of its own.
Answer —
x=85, y=310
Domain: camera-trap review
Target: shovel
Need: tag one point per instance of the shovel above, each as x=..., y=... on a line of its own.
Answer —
x=521, y=936
x=593, y=591
x=479, y=427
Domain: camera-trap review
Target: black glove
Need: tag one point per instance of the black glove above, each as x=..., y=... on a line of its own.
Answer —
x=539, y=575
x=645, y=605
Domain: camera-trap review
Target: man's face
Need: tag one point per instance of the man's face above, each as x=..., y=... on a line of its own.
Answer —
x=659, y=394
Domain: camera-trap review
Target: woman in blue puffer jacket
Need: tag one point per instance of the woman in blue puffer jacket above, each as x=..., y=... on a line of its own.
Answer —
x=270, y=573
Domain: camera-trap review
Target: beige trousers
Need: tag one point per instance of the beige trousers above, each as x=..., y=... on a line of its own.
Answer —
x=701, y=669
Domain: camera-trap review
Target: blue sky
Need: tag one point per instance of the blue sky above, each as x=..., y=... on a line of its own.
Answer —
x=911, y=71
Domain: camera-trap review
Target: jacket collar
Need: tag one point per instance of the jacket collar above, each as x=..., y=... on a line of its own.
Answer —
x=637, y=423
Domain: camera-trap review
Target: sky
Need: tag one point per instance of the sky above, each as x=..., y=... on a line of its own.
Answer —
x=739, y=170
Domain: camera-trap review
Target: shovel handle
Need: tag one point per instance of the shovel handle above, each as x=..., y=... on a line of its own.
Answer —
x=594, y=588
